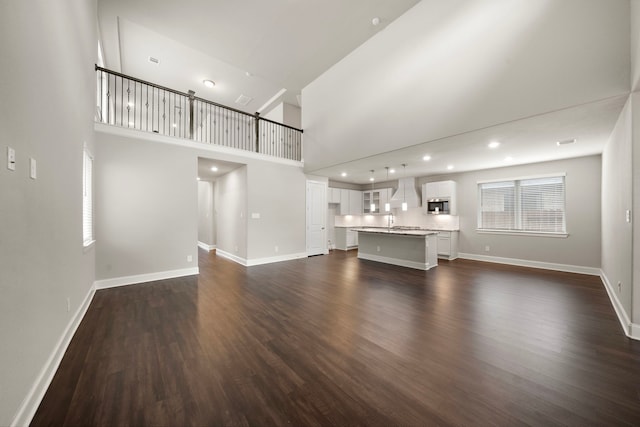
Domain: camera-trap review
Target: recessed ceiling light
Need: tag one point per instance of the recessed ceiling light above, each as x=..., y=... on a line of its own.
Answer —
x=248, y=74
x=343, y=174
x=131, y=124
x=130, y=104
x=392, y=171
x=494, y=144
x=450, y=167
x=372, y=179
x=566, y=142
x=214, y=169
x=175, y=125
x=375, y=21
x=426, y=158
x=209, y=83
x=508, y=159
x=198, y=178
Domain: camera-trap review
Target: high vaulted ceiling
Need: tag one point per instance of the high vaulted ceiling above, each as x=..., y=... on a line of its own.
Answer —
x=435, y=77
x=282, y=44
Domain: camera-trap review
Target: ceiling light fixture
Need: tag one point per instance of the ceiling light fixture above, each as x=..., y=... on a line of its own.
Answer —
x=494, y=144
x=508, y=159
x=387, y=205
x=209, y=83
x=214, y=169
x=566, y=142
x=343, y=174
x=404, y=195
x=426, y=158
x=449, y=167
x=373, y=205
x=392, y=171
x=375, y=21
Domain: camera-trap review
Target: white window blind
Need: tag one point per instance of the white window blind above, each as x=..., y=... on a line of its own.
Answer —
x=87, y=198
x=528, y=205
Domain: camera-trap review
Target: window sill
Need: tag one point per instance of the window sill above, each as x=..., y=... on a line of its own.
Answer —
x=86, y=247
x=523, y=233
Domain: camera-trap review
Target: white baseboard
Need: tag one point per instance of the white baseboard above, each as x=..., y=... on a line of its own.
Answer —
x=39, y=388
x=142, y=278
x=269, y=260
x=259, y=261
x=632, y=330
x=592, y=271
x=206, y=247
x=232, y=257
x=396, y=261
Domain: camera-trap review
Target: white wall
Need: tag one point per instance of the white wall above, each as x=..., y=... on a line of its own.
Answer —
x=146, y=207
x=47, y=91
x=428, y=72
x=581, y=248
x=276, y=192
x=616, y=199
x=206, y=219
x=230, y=193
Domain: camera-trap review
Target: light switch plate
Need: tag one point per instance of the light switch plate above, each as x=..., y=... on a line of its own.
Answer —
x=33, y=173
x=11, y=159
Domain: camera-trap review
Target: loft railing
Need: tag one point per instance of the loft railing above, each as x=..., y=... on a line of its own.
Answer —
x=132, y=103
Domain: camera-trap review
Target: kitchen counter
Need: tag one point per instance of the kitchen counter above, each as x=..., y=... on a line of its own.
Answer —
x=406, y=247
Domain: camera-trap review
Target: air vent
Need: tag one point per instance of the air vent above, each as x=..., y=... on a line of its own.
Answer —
x=154, y=60
x=243, y=100
x=566, y=142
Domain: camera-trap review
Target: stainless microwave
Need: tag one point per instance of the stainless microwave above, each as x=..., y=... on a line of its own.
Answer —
x=438, y=206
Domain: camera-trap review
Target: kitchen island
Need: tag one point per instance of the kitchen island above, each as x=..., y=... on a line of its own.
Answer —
x=413, y=248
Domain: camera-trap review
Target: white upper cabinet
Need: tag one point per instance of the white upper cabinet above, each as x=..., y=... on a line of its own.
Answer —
x=439, y=190
x=334, y=195
x=349, y=201
x=355, y=202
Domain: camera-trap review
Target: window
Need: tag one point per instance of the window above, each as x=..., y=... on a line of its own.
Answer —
x=87, y=198
x=533, y=205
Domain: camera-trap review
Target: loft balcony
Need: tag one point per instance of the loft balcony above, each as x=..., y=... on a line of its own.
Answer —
x=132, y=103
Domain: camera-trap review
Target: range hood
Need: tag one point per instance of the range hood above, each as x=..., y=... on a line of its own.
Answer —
x=406, y=192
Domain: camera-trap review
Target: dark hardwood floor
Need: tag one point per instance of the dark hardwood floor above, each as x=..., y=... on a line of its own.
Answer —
x=332, y=340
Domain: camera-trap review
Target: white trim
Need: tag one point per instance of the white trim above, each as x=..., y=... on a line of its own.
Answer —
x=520, y=178
x=259, y=261
x=280, y=258
x=592, y=271
x=630, y=329
x=232, y=257
x=142, y=278
x=39, y=388
x=396, y=261
x=206, y=247
x=522, y=233
x=273, y=100
x=150, y=136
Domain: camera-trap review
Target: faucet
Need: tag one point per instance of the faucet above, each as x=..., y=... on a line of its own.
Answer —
x=389, y=220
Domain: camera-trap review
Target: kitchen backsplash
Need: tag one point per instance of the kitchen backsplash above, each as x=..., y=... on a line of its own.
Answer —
x=414, y=217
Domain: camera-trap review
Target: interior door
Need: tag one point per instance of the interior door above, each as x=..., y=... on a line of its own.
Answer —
x=316, y=218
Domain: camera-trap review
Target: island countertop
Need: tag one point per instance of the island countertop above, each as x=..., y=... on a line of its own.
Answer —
x=395, y=231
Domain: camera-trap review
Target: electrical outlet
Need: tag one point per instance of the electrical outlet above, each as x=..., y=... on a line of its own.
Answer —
x=33, y=171
x=378, y=248
x=189, y=258
x=487, y=248
x=11, y=159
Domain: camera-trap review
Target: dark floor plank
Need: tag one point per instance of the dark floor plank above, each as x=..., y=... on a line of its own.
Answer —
x=334, y=340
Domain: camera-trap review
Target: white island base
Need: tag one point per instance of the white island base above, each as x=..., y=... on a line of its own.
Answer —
x=415, y=249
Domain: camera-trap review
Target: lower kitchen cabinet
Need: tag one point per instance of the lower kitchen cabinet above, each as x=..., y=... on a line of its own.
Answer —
x=346, y=238
x=448, y=244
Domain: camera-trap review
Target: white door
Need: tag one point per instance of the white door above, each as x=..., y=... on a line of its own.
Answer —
x=316, y=218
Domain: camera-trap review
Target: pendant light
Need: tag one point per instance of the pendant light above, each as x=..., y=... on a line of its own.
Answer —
x=373, y=205
x=404, y=195
x=387, y=205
